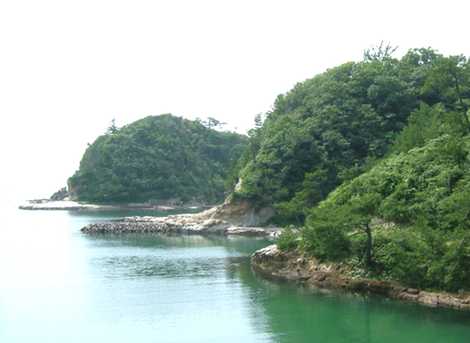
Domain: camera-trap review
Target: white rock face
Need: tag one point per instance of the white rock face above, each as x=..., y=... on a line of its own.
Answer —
x=269, y=252
x=239, y=185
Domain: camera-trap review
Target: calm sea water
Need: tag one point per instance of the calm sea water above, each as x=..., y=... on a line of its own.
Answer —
x=58, y=285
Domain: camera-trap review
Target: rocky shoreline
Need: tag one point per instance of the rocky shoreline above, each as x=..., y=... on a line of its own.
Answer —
x=292, y=266
x=241, y=219
x=212, y=221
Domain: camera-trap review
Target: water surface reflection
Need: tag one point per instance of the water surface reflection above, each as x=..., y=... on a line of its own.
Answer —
x=59, y=285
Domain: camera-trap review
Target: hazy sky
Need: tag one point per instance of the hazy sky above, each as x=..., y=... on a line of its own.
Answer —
x=68, y=67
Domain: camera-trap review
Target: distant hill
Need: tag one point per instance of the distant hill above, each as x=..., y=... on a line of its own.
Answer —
x=158, y=158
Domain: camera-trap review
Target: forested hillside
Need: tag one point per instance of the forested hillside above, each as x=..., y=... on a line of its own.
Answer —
x=408, y=218
x=373, y=159
x=158, y=158
x=333, y=127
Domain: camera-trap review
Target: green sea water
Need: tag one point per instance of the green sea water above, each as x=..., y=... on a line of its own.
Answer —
x=58, y=285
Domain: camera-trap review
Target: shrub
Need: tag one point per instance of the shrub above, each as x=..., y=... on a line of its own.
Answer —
x=403, y=257
x=326, y=242
x=288, y=240
x=426, y=258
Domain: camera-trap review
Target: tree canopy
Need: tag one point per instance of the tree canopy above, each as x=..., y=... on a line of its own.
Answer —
x=331, y=128
x=384, y=186
x=425, y=195
x=158, y=158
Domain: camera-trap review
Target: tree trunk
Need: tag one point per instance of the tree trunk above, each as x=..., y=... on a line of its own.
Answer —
x=368, y=255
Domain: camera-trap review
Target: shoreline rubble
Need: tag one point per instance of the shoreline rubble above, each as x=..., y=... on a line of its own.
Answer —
x=198, y=223
x=273, y=263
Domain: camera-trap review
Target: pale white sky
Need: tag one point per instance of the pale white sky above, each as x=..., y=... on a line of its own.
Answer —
x=68, y=67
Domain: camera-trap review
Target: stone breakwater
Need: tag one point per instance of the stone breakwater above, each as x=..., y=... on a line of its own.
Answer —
x=200, y=223
x=292, y=266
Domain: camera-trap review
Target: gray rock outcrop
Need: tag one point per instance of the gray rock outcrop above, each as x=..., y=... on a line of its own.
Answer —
x=292, y=266
x=61, y=194
x=224, y=219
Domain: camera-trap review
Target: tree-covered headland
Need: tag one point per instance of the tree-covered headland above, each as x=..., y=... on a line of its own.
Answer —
x=158, y=158
x=371, y=160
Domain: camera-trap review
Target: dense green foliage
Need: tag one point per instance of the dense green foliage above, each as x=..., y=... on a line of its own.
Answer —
x=158, y=158
x=426, y=194
x=288, y=239
x=386, y=144
x=333, y=127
